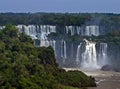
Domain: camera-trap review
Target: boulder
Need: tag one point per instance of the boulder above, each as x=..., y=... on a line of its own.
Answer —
x=107, y=68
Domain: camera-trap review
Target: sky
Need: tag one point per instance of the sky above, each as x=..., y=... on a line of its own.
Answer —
x=62, y=6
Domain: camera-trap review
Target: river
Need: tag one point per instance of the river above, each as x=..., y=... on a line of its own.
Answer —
x=104, y=79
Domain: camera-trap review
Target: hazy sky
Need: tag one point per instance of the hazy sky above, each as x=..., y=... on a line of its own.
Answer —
x=109, y=6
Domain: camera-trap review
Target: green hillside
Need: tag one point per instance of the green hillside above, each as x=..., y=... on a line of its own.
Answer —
x=23, y=66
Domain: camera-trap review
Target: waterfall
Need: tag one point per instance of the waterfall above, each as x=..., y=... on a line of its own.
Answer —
x=42, y=43
x=89, y=56
x=72, y=51
x=2, y=27
x=69, y=28
x=92, y=30
x=52, y=43
x=32, y=31
x=54, y=47
x=73, y=30
x=78, y=54
x=65, y=54
x=35, y=31
x=26, y=29
x=102, y=55
x=63, y=50
x=78, y=30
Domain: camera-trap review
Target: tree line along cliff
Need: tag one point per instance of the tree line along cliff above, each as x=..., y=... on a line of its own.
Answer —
x=23, y=66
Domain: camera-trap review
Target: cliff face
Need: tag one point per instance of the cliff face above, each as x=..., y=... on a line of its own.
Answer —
x=76, y=46
x=65, y=33
x=114, y=53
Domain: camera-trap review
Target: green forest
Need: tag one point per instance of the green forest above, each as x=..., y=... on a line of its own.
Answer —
x=63, y=19
x=44, y=18
x=23, y=66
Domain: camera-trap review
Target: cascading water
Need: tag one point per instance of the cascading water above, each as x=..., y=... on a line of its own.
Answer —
x=69, y=28
x=72, y=51
x=89, y=56
x=78, y=54
x=86, y=55
x=65, y=54
x=33, y=30
x=92, y=30
x=63, y=51
x=52, y=43
x=78, y=30
x=102, y=55
x=2, y=27
x=73, y=30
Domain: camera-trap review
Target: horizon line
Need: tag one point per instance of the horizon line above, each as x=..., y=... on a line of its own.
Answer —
x=60, y=12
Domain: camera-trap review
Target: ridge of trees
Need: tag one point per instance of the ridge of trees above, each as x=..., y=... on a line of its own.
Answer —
x=23, y=66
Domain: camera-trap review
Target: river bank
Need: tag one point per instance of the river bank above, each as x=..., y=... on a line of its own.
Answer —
x=104, y=79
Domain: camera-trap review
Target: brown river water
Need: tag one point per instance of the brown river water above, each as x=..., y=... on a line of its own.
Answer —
x=104, y=79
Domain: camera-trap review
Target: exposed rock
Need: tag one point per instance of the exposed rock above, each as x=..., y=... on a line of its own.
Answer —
x=107, y=68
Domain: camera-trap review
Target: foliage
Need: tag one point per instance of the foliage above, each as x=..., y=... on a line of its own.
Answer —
x=44, y=18
x=113, y=37
x=23, y=66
